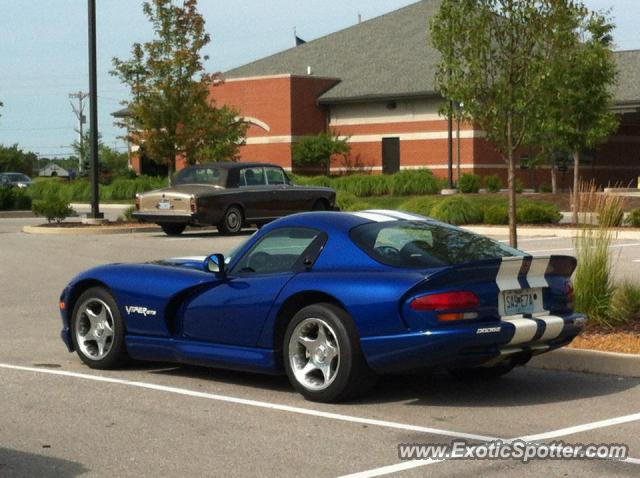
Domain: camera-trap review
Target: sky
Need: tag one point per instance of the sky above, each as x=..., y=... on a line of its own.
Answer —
x=43, y=52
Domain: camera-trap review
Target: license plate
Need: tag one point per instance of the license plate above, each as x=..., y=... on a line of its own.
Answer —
x=164, y=205
x=524, y=301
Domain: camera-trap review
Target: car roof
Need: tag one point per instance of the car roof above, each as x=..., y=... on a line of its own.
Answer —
x=344, y=221
x=232, y=165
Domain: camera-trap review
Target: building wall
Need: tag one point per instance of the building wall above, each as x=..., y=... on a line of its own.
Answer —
x=280, y=109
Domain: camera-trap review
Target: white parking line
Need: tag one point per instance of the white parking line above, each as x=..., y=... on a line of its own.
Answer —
x=583, y=428
x=390, y=469
x=386, y=470
x=255, y=403
x=408, y=465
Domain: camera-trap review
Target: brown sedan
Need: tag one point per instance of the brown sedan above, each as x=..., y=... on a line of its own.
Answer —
x=229, y=196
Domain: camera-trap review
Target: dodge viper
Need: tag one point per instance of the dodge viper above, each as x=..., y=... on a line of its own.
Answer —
x=333, y=300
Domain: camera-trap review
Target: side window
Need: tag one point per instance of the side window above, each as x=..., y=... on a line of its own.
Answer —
x=279, y=251
x=275, y=176
x=252, y=177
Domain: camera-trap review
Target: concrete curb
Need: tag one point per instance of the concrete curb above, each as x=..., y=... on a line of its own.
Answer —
x=545, y=232
x=105, y=207
x=97, y=230
x=589, y=361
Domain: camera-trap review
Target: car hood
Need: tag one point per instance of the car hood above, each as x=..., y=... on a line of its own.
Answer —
x=192, y=262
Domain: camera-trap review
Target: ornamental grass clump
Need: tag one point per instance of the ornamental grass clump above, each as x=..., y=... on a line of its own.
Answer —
x=593, y=278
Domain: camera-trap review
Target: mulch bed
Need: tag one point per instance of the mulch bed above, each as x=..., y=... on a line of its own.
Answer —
x=625, y=340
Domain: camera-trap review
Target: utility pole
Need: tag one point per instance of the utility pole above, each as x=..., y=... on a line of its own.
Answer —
x=93, y=113
x=82, y=119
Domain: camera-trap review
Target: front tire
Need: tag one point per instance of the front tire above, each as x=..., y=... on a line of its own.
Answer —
x=173, y=229
x=322, y=355
x=97, y=330
x=232, y=221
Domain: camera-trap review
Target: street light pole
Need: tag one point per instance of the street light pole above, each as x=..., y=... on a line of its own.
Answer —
x=93, y=113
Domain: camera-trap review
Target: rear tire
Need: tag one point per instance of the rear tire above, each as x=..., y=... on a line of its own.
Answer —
x=484, y=373
x=322, y=355
x=232, y=221
x=173, y=229
x=97, y=330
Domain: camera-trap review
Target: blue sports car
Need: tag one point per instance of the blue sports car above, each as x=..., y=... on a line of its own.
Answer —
x=332, y=300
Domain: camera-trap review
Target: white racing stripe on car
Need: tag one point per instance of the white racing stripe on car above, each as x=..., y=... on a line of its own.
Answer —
x=507, y=278
x=374, y=217
x=536, y=275
x=396, y=214
x=553, y=329
x=526, y=329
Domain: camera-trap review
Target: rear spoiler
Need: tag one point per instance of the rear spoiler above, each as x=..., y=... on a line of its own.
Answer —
x=508, y=273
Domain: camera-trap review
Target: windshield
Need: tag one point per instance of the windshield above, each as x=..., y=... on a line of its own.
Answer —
x=422, y=244
x=202, y=175
x=15, y=177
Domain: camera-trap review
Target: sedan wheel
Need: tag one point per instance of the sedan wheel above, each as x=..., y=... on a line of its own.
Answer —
x=232, y=221
x=322, y=355
x=98, y=331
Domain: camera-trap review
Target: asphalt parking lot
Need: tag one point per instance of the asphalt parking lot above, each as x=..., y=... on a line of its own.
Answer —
x=60, y=418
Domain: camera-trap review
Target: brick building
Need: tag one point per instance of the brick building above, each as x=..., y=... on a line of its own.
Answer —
x=374, y=82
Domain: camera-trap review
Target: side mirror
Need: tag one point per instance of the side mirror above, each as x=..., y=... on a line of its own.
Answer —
x=215, y=264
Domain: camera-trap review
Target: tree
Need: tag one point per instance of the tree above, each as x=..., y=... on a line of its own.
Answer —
x=577, y=111
x=317, y=150
x=14, y=159
x=496, y=55
x=171, y=113
x=81, y=148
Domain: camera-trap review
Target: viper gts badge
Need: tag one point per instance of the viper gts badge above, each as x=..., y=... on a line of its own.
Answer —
x=134, y=309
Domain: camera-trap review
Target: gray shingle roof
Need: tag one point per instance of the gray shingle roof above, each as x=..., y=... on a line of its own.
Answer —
x=628, y=88
x=382, y=57
x=389, y=57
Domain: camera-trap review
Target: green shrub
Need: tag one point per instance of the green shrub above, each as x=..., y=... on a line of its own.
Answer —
x=324, y=181
x=496, y=215
x=127, y=215
x=54, y=208
x=345, y=201
x=420, y=181
x=420, y=205
x=6, y=198
x=45, y=187
x=470, y=183
x=625, y=304
x=493, y=183
x=519, y=186
x=634, y=218
x=545, y=188
x=538, y=213
x=363, y=185
x=457, y=210
x=21, y=200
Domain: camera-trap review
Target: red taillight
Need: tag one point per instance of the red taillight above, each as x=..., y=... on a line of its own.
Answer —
x=569, y=290
x=137, y=202
x=446, y=301
x=194, y=205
